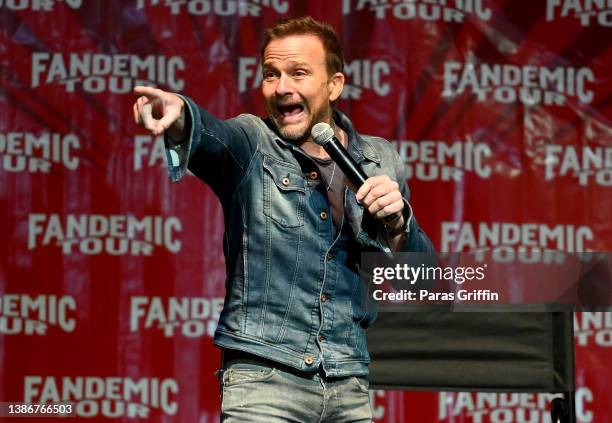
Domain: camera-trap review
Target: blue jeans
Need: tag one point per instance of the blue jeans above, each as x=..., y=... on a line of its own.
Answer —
x=258, y=392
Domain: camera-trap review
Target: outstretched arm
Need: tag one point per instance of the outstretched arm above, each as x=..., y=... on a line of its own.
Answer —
x=217, y=151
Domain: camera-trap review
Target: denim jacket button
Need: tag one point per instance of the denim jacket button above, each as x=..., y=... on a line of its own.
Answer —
x=313, y=175
x=309, y=360
x=285, y=181
x=324, y=297
x=323, y=215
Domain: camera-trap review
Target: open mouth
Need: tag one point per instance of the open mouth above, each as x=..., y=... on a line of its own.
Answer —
x=290, y=110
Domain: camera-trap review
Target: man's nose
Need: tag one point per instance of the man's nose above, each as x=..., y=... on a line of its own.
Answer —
x=284, y=86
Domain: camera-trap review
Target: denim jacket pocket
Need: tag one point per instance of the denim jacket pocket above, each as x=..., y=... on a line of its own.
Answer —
x=284, y=191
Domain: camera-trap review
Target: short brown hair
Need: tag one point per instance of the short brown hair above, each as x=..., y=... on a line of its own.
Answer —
x=305, y=25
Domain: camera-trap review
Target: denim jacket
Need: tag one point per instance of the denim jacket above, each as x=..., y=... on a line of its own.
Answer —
x=293, y=291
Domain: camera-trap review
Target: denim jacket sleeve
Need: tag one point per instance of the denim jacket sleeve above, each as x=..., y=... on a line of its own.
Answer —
x=216, y=151
x=416, y=239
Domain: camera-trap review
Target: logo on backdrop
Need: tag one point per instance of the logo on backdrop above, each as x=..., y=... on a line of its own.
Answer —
x=377, y=403
x=443, y=160
x=192, y=317
x=530, y=85
x=114, y=73
x=149, y=151
x=582, y=162
x=366, y=75
x=38, y=5
x=29, y=152
x=593, y=328
x=111, y=234
x=361, y=75
x=509, y=241
x=32, y=315
x=588, y=12
x=218, y=7
x=105, y=396
x=427, y=10
x=484, y=407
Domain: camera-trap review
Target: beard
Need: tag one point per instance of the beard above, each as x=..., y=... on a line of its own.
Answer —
x=295, y=135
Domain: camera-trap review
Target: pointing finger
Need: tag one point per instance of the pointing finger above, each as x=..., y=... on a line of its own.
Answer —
x=150, y=92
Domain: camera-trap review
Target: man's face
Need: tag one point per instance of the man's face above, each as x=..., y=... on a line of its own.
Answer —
x=296, y=87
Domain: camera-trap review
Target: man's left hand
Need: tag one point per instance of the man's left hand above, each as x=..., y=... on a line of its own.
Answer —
x=381, y=196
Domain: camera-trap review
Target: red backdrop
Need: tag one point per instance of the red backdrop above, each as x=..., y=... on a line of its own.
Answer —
x=112, y=277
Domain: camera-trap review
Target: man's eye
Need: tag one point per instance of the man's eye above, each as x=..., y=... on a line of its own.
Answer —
x=269, y=75
x=299, y=73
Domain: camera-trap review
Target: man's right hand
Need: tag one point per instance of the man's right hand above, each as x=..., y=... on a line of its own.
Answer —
x=159, y=111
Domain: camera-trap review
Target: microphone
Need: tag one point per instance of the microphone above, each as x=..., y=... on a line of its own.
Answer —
x=323, y=134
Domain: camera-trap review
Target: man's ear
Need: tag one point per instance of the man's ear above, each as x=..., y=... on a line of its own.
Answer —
x=335, y=86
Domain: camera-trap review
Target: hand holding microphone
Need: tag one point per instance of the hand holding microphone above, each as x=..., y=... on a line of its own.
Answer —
x=380, y=195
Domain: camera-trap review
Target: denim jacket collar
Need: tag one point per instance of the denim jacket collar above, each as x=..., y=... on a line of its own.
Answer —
x=358, y=148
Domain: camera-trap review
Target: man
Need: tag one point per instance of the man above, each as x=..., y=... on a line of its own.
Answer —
x=293, y=324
